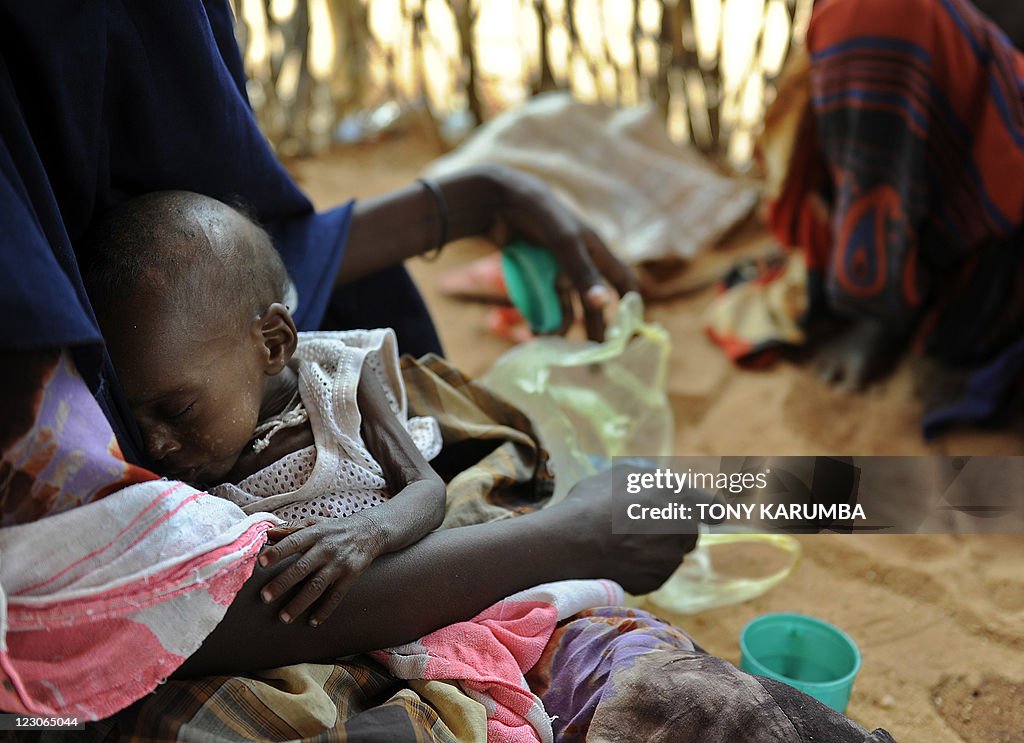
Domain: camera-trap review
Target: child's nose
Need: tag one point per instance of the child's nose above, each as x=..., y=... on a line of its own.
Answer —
x=160, y=444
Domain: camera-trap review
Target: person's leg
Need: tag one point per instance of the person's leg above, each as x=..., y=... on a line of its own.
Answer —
x=868, y=80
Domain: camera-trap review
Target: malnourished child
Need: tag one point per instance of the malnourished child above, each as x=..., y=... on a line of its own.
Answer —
x=191, y=296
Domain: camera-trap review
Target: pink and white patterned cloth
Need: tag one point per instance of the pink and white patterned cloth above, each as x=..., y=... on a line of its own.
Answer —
x=100, y=603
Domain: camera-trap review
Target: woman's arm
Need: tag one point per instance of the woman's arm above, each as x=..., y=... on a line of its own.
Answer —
x=449, y=576
x=495, y=202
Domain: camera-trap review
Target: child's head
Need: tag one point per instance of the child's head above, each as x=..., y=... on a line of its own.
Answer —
x=188, y=293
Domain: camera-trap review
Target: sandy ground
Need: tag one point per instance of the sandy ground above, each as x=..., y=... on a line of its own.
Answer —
x=939, y=619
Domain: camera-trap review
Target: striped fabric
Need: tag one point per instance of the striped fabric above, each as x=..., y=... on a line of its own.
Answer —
x=893, y=157
x=353, y=700
x=102, y=603
x=920, y=125
x=109, y=578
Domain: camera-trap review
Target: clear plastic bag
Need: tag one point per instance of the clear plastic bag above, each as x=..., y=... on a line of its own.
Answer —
x=697, y=587
x=590, y=402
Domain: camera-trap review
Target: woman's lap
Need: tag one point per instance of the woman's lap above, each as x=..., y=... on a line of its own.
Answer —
x=606, y=673
x=611, y=674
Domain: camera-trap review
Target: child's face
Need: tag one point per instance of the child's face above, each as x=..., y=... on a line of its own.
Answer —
x=195, y=390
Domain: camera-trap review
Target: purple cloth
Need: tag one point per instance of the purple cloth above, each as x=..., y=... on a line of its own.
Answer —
x=614, y=674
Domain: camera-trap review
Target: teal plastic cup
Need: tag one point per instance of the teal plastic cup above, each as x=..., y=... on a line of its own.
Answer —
x=530, y=273
x=804, y=652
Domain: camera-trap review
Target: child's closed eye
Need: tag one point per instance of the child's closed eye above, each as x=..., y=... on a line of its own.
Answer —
x=183, y=413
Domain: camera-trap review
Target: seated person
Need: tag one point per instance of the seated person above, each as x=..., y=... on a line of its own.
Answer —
x=892, y=157
x=191, y=307
x=189, y=295
x=924, y=211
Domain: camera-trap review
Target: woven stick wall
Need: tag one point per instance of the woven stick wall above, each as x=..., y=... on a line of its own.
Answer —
x=342, y=70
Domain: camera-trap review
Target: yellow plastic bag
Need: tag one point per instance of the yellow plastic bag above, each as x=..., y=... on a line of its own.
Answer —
x=590, y=402
x=697, y=587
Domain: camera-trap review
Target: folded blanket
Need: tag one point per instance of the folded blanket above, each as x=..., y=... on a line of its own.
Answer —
x=647, y=197
x=130, y=584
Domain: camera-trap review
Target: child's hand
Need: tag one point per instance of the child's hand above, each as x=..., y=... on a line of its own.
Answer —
x=333, y=554
x=335, y=551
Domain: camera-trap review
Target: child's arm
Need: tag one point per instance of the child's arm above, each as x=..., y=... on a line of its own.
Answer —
x=418, y=504
x=336, y=551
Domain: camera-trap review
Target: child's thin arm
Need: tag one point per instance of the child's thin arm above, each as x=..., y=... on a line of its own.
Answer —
x=335, y=551
x=418, y=502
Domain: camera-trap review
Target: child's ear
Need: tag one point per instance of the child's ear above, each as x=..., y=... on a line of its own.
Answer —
x=278, y=336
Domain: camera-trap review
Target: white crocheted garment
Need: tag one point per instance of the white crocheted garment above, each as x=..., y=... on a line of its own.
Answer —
x=337, y=476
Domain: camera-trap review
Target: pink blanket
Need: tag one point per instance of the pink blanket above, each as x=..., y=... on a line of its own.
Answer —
x=489, y=654
x=126, y=587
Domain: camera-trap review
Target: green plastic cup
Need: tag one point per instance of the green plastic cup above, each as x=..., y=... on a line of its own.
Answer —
x=804, y=652
x=530, y=274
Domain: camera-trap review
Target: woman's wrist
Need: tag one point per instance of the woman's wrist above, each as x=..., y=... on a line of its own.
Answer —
x=574, y=548
x=474, y=197
x=393, y=227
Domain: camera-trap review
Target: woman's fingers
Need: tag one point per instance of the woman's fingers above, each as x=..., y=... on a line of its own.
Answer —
x=277, y=533
x=569, y=247
x=597, y=299
x=612, y=269
x=330, y=557
x=585, y=280
x=532, y=211
x=574, y=280
x=322, y=573
x=593, y=316
x=588, y=267
x=291, y=576
x=564, y=289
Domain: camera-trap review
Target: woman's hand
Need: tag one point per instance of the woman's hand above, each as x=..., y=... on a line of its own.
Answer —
x=335, y=551
x=528, y=209
x=498, y=203
x=333, y=554
x=640, y=563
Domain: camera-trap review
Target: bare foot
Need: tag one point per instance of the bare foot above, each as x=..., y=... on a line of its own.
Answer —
x=858, y=355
